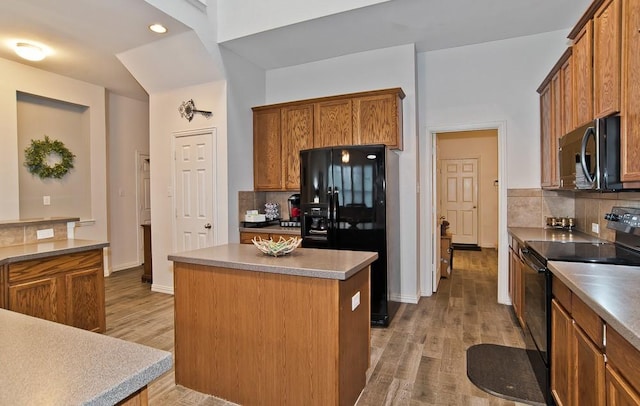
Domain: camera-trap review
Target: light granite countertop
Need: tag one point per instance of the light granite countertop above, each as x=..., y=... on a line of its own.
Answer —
x=23, y=252
x=46, y=363
x=523, y=234
x=610, y=290
x=309, y=262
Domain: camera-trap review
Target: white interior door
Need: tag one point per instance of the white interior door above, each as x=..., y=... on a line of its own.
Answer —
x=194, y=190
x=143, y=198
x=459, y=191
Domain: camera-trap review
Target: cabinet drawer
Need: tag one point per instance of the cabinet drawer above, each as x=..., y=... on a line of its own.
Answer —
x=588, y=320
x=44, y=267
x=562, y=293
x=623, y=357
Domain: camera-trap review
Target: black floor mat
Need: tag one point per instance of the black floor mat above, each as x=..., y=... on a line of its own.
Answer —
x=466, y=247
x=505, y=372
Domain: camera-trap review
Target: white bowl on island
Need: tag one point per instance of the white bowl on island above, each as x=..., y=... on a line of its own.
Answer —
x=277, y=248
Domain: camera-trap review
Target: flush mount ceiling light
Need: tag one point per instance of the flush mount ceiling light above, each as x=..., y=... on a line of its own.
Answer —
x=29, y=51
x=158, y=28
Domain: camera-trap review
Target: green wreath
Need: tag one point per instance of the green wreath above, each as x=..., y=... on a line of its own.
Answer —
x=36, y=158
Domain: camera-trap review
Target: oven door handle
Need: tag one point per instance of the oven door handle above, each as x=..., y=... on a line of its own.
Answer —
x=531, y=261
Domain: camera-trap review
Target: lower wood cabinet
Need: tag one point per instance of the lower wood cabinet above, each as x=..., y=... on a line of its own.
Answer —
x=67, y=289
x=583, y=370
x=516, y=283
x=246, y=236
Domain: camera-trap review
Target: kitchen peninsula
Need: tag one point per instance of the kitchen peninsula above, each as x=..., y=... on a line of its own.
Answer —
x=255, y=329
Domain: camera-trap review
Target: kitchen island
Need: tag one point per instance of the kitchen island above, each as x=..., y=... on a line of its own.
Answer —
x=254, y=329
x=46, y=363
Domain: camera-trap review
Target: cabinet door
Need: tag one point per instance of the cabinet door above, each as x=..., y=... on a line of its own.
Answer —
x=246, y=237
x=630, y=134
x=85, y=299
x=378, y=120
x=583, y=75
x=619, y=392
x=267, y=150
x=568, y=113
x=556, y=128
x=606, y=58
x=561, y=351
x=333, y=124
x=41, y=298
x=545, y=136
x=297, y=134
x=589, y=387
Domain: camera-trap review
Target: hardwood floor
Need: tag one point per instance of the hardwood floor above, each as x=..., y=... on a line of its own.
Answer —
x=419, y=360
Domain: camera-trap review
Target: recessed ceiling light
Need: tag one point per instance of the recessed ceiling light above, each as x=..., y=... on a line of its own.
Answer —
x=29, y=51
x=158, y=28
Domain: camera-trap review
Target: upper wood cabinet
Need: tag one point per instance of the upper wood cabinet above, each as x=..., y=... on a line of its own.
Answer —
x=606, y=58
x=583, y=75
x=568, y=110
x=281, y=131
x=333, y=123
x=267, y=150
x=377, y=119
x=630, y=108
x=545, y=136
x=297, y=122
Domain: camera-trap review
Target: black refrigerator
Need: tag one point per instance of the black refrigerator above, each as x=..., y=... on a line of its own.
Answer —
x=349, y=199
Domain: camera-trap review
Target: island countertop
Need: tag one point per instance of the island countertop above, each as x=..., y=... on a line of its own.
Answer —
x=23, y=252
x=46, y=363
x=310, y=262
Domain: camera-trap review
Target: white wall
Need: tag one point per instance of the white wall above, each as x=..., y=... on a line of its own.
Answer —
x=378, y=69
x=128, y=134
x=245, y=89
x=238, y=18
x=17, y=77
x=488, y=83
x=164, y=121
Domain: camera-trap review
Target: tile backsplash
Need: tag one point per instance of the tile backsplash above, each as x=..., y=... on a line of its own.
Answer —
x=531, y=207
x=255, y=201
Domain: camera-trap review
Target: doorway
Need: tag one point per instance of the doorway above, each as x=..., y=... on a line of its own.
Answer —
x=458, y=203
x=491, y=233
x=143, y=198
x=195, y=192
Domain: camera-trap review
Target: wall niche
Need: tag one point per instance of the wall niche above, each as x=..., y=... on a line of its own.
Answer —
x=67, y=122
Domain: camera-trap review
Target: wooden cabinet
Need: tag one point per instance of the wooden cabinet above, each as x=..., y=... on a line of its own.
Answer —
x=583, y=74
x=546, y=132
x=561, y=355
x=246, y=236
x=446, y=256
x=333, y=123
x=606, y=58
x=377, y=119
x=297, y=124
x=516, y=283
x=630, y=109
x=589, y=385
x=147, y=274
x=619, y=392
x=267, y=150
x=568, y=111
x=623, y=371
x=281, y=131
x=67, y=289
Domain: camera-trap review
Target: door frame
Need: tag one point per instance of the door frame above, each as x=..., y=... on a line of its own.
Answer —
x=434, y=230
x=211, y=132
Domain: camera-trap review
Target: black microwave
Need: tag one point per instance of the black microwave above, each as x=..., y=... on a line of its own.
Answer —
x=589, y=156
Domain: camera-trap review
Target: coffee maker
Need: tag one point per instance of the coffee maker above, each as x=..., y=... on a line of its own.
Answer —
x=294, y=211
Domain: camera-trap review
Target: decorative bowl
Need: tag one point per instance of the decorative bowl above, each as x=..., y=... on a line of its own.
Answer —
x=277, y=248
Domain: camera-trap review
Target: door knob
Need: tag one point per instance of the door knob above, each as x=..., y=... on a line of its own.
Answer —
x=207, y=226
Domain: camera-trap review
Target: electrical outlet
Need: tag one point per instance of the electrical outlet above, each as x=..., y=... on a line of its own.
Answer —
x=46, y=200
x=46, y=233
x=595, y=228
x=355, y=301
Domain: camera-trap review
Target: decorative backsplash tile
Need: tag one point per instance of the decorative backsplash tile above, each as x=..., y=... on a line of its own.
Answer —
x=16, y=234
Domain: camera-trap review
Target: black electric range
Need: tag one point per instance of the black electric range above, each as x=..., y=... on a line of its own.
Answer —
x=624, y=251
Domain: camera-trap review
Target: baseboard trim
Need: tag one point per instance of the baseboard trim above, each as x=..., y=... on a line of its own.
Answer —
x=124, y=267
x=405, y=298
x=162, y=289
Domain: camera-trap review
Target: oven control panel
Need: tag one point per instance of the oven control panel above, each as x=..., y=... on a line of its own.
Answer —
x=624, y=219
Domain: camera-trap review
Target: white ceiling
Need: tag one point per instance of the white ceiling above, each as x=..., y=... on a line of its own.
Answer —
x=87, y=34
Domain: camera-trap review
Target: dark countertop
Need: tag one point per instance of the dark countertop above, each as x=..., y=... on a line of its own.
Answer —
x=16, y=253
x=46, y=363
x=272, y=229
x=309, y=262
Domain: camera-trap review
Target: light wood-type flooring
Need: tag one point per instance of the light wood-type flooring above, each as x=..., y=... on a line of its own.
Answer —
x=419, y=360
